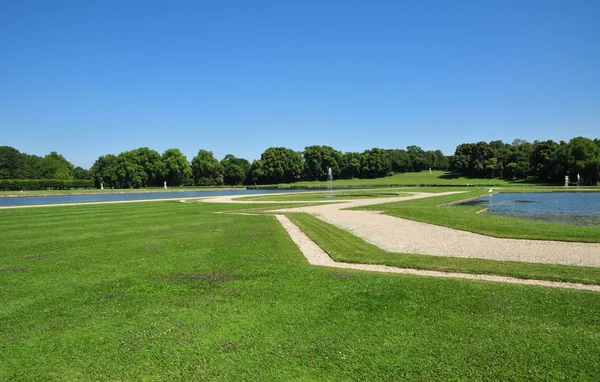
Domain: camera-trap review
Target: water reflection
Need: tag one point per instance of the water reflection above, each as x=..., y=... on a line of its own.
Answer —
x=580, y=208
x=30, y=200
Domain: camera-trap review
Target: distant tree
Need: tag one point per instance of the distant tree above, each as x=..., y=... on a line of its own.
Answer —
x=55, y=166
x=518, y=159
x=29, y=167
x=257, y=172
x=400, y=160
x=9, y=162
x=150, y=162
x=469, y=159
x=460, y=161
x=278, y=165
x=375, y=163
x=544, y=160
x=175, y=168
x=206, y=169
x=418, y=158
x=132, y=173
x=480, y=160
x=235, y=170
x=105, y=171
x=80, y=173
x=583, y=157
x=318, y=160
x=492, y=167
x=350, y=165
x=137, y=168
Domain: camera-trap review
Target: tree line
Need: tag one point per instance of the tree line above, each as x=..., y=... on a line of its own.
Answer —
x=16, y=165
x=544, y=161
x=144, y=167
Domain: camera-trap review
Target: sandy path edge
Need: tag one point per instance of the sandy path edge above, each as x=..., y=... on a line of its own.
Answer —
x=316, y=256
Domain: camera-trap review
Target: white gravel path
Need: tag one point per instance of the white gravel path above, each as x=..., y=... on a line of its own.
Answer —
x=316, y=256
x=406, y=236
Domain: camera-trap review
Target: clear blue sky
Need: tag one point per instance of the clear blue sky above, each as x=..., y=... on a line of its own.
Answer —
x=87, y=78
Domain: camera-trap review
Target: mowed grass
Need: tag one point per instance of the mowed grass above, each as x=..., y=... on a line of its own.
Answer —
x=345, y=247
x=408, y=178
x=431, y=210
x=167, y=290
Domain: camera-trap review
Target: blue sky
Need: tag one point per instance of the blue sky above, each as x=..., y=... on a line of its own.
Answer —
x=87, y=78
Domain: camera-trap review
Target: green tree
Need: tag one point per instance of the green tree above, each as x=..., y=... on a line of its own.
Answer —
x=29, y=167
x=146, y=160
x=350, y=165
x=257, y=171
x=518, y=156
x=318, y=160
x=400, y=160
x=582, y=157
x=105, y=171
x=280, y=165
x=175, y=169
x=81, y=173
x=375, y=163
x=418, y=158
x=9, y=162
x=544, y=160
x=55, y=166
x=235, y=170
x=206, y=169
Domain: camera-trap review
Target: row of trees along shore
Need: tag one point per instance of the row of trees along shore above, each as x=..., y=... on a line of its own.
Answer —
x=145, y=168
x=20, y=171
x=541, y=161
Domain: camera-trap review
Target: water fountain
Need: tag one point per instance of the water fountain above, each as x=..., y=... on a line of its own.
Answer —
x=329, y=181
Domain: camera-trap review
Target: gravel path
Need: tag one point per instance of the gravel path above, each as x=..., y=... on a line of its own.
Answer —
x=406, y=236
x=316, y=256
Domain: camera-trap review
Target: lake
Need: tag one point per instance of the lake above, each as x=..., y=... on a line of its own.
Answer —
x=575, y=208
x=54, y=199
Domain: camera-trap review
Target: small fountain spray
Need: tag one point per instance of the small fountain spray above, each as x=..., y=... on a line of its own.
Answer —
x=329, y=181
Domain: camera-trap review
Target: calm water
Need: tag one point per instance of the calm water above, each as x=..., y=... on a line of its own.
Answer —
x=576, y=208
x=29, y=200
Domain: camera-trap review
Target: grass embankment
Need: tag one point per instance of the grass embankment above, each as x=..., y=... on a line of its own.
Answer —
x=168, y=290
x=423, y=178
x=345, y=247
x=465, y=218
x=331, y=196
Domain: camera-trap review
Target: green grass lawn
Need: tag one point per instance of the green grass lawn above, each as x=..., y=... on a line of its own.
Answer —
x=408, y=178
x=466, y=218
x=167, y=290
x=345, y=247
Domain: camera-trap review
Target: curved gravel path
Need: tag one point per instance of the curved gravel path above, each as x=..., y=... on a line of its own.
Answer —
x=406, y=236
x=316, y=256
